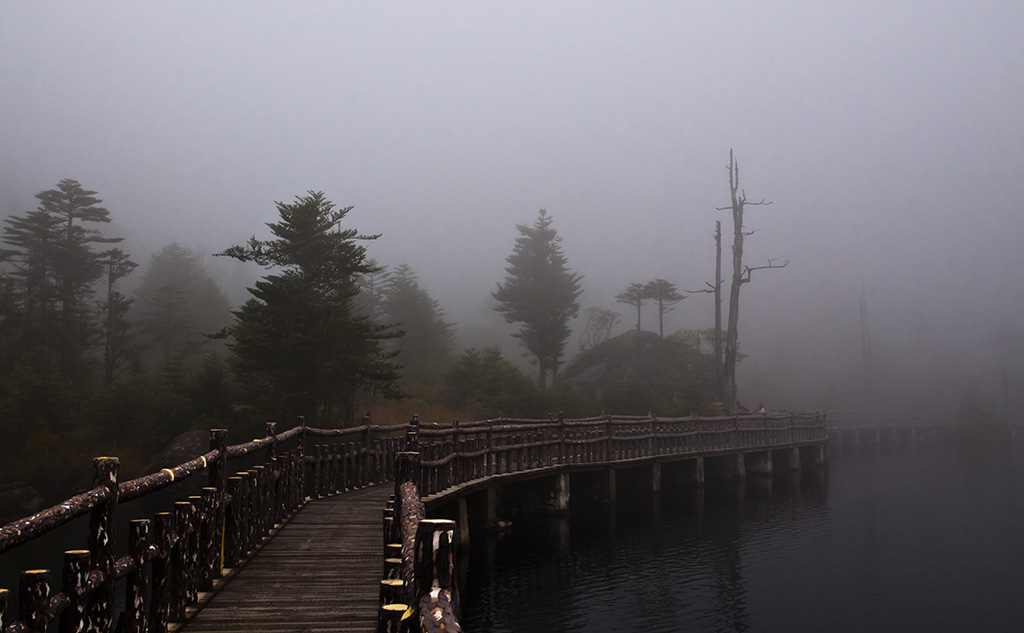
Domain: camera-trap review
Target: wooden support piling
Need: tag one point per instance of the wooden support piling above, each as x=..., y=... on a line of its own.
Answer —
x=562, y=492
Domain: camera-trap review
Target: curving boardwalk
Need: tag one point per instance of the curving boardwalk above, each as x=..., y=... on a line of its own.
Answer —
x=320, y=572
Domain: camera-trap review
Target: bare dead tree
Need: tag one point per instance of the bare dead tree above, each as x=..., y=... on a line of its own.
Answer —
x=716, y=289
x=741, y=274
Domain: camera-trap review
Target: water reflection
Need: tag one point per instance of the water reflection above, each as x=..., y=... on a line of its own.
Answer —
x=649, y=563
x=897, y=538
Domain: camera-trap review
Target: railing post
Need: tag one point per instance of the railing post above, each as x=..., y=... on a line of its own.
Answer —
x=136, y=598
x=563, y=452
x=608, y=445
x=75, y=576
x=490, y=466
x=412, y=434
x=219, y=481
x=163, y=540
x=272, y=508
x=233, y=522
x=179, y=575
x=364, y=452
x=318, y=453
x=457, y=460
x=437, y=595
x=408, y=510
x=271, y=450
x=652, y=444
x=102, y=541
x=301, y=448
x=35, y=598
x=194, y=526
x=209, y=545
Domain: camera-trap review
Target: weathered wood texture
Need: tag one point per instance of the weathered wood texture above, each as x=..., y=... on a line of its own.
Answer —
x=191, y=545
x=451, y=455
x=320, y=572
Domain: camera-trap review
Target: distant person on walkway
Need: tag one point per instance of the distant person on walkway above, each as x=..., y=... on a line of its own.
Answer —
x=760, y=407
x=740, y=408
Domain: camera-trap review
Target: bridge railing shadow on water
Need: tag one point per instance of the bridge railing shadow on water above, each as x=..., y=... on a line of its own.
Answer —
x=179, y=558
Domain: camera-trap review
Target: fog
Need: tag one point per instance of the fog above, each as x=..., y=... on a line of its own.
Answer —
x=887, y=136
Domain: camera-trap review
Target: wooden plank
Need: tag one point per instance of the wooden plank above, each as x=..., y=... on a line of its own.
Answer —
x=320, y=572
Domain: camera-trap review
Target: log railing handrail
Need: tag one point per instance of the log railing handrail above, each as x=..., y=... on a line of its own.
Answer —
x=174, y=556
x=420, y=585
x=177, y=554
x=453, y=454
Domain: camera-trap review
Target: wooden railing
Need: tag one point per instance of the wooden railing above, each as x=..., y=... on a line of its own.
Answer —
x=890, y=418
x=418, y=590
x=454, y=454
x=182, y=552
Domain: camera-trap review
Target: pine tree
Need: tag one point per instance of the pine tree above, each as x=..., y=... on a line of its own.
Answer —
x=179, y=305
x=55, y=267
x=300, y=346
x=428, y=340
x=665, y=295
x=635, y=295
x=117, y=348
x=541, y=293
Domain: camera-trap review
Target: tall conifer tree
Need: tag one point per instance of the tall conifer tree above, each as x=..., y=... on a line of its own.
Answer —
x=300, y=346
x=541, y=292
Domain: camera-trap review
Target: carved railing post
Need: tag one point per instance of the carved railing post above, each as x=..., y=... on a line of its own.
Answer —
x=412, y=435
x=35, y=598
x=219, y=481
x=301, y=448
x=273, y=508
x=194, y=526
x=609, y=447
x=437, y=595
x=163, y=566
x=563, y=449
x=102, y=541
x=136, y=596
x=408, y=512
x=652, y=441
x=456, y=468
x=179, y=556
x=208, y=546
x=490, y=457
x=5, y=598
x=76, y=574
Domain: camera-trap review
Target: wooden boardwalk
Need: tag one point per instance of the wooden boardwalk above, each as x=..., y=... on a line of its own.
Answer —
x=321, y=572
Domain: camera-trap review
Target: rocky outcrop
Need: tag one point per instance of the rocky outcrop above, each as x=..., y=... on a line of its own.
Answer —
x=640, y=359
x=183, y=448
x=17, y=500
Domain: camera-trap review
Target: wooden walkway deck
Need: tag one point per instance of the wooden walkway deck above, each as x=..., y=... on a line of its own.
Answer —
x=321, y=572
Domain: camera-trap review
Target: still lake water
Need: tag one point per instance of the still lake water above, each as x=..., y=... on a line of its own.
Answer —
x=929, y=538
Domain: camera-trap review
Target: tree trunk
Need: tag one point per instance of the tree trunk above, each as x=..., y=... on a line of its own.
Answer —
x=731, y=336
x=719, y=368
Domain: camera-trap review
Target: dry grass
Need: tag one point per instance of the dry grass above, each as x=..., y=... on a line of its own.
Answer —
x=391, y=412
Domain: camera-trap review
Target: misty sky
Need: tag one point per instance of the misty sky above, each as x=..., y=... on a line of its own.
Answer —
x=888, y=136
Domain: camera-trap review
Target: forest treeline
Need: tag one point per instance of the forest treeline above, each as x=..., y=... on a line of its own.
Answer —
x=87, y=368
x=326, y=333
